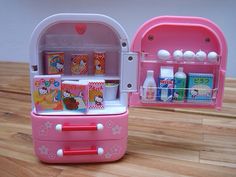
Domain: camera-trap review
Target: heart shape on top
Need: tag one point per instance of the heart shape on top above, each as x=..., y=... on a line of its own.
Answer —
x=81, y=28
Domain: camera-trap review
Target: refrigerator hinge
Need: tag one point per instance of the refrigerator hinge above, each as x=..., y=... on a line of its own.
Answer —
x=129, y=72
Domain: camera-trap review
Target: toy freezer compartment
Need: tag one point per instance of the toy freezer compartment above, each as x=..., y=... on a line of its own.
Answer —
x=84, y=34
x=186, y=34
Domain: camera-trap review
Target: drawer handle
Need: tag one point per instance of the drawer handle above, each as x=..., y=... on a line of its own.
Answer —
x=60, y=127
x=93, y=151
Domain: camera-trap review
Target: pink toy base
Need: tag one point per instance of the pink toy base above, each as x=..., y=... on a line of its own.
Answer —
x=112, y=138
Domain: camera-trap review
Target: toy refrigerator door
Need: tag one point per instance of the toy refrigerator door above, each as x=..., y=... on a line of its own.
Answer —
x=186, y=34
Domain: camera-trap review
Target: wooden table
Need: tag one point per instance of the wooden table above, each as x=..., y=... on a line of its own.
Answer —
x=171, y=142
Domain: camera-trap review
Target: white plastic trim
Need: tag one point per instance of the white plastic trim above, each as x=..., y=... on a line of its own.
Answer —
x=100, y=151
x=60, y=153
x=58, y=127
x=100, y=127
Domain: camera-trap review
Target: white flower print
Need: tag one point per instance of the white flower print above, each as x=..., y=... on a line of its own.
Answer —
x=51, y=155
x=109, y=124
x=116, y=130
x=48, y=125
x=43, y=150
x=115, y=149
x=108, y=155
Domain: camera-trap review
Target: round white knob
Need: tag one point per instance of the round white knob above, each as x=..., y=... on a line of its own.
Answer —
x=100, y=127
x=58, y=127
x=60, y=153
x=100, y=151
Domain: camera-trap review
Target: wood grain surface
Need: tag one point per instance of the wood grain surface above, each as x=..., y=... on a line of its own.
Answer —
x=161, y=142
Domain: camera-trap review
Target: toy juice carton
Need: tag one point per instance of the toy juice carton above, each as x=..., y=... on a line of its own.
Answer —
x=54, y=62
x=75, y=96
x=96, y=94
x=47, y=92
x=165, y=84
x=200, y=87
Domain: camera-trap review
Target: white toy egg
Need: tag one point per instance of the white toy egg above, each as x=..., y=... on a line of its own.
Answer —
x=189, y=55
x=212, y=56
x=200, y=55
x=178, y=55
x=163, y=54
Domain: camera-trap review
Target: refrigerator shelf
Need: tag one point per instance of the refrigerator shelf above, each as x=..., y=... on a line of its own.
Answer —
x=208, y=96
x=110, y=107
x=90, y=77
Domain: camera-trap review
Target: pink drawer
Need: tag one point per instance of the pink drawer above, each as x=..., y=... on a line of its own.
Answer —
x=77, y=152
x=79, y=128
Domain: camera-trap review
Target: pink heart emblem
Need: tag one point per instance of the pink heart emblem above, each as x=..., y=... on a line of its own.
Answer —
x=80, y=28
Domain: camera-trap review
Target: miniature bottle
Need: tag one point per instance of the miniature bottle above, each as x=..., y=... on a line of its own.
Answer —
x=149, y=87
x=180, y=84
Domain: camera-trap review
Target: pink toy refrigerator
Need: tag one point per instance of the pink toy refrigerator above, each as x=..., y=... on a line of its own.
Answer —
x=100, y=135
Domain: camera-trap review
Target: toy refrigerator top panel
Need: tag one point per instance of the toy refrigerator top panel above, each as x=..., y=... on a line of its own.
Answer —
x=158, y=39
x=84, y=34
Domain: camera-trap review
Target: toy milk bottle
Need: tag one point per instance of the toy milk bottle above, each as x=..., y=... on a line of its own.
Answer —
x=149, y=87
x=180, y=84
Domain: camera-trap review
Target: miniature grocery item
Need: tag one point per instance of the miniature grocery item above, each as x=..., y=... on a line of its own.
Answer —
x=47, y=93
x=163, y=54
x=178, y=55
x=201, y=55
x=75, y=96
x=99, y=62
x=180, y=84
x=96, y=94
x=165, y=84
x=110, y=91
x=149, y=87
x=212, y=56
x=54, y=62
x=79, y=64
x=200, y=87
x=189, y=55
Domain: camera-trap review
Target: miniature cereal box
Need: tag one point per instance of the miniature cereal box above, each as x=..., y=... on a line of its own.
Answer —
x=99, y=63
x=200, y=87
x=96, y=93
x=54, y=62
x=75, y=96
x=47, y=92
x=79, y=64
x=165, y=84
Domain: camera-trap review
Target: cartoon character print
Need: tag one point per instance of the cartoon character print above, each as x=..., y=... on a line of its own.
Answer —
x=79, y=64
x=176, y=95
x=59, y=67
x=69, y=101
x=194, y=93
x=67, y=94
x=98, y=67
x=43, y=91
x=98, y=100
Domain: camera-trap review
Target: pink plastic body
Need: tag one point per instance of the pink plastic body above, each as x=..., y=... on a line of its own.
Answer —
x=186, y=33
x=48, y=140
